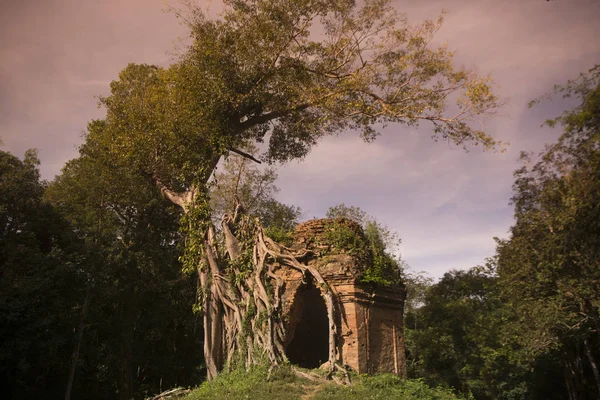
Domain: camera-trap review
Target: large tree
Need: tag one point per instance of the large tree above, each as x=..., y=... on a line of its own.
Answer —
x=549, y=268
x=286, y=72
x=41, y=284
x=126, y=348
x=456, y=341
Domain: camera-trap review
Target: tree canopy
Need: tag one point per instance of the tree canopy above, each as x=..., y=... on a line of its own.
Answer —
x=526, y=324
x=549, y=267
x=287, y=73
x=40, y=283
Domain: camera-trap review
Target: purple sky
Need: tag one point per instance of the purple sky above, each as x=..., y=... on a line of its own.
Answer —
x=57, y=55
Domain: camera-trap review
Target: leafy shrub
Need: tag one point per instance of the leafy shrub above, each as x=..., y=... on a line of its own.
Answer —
x=280, y=235
x=338, y=234
x=382, y=268
x=385, y=386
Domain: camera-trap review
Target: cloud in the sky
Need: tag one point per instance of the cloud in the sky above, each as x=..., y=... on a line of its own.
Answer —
x=56, y=55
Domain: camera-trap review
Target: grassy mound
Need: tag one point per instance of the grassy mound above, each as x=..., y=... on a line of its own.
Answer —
x=283, y=384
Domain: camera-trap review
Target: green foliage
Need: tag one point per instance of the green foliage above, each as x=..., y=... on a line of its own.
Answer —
x=341, y=236
x=254, y=189
x=257, y=72
x=280, y=235
x=375, y=247
x=132, y=236
x=384, y=387
x=246, y=323
x=384, y=268
x=457, y=340
x=349, y=212
x=548, y=269
x=256, y=384
x=41, y=285
x=193, y=226
x=526, y=325
x=254, y=73
x=279, y=216
x=283, y=384
x=417, y=287
x=241, y=180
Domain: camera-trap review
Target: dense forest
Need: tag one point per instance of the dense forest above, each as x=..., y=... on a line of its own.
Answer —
x=134, y=270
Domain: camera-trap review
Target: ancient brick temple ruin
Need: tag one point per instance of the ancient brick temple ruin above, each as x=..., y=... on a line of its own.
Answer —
x=369, y=318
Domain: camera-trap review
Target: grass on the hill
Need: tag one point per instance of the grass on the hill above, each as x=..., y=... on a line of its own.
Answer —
x=283, y=384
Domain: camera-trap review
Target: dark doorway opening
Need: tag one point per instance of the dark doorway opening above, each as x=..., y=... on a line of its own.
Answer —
x=309, y=325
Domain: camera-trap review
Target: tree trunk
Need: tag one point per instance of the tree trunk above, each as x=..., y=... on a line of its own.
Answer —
x=128, y=309
x=592, y=360
x=240, y=315
x=212, y=325
x=569, y=383
x=78, y=341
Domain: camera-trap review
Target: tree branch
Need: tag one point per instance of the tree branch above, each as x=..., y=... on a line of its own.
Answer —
x=244, y=154
x=264, y=118
x=179, y=199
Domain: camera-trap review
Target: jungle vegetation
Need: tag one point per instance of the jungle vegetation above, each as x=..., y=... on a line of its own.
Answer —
x=141, y=266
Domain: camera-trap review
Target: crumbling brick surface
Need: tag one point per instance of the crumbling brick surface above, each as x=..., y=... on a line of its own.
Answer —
x=369, y=319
